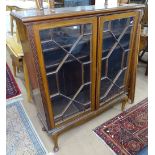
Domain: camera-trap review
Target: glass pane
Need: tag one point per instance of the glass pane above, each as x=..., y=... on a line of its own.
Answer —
x=82, y=47
x=84, y=92
x=45, y=35
x=106, y=26
x=114, y=62
x=120, y=80
x=115, y=52
x=114, y=90
x=54, y=56
x=66, y=36
x=66, y=52
x=87, y=72
x=108, y=41
x=118, y=25
x=70, y=77
x=125, y=40
x=52, y=83
x=105, y=84
x=103, y=66
x=125, y=59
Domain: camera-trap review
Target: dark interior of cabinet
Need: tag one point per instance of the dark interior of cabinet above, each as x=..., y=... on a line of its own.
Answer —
x=66, y=52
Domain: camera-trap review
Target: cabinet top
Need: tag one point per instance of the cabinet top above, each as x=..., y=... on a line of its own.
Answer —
x=46, y=14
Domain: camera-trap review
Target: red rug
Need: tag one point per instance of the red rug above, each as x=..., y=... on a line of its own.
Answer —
x=12, y=89
x=127, y=133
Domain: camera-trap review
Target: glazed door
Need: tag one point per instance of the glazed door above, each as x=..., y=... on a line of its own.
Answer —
x=67, y=55
x=114, y=54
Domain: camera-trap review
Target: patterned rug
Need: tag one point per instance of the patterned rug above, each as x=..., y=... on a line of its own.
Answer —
x=12, y=89
x=127, y=133
x=21, y=138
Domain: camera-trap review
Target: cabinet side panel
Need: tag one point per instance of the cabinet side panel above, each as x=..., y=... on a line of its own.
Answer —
x=28, y=57
x=28, y=47
x=134, y=58
x=49, y=120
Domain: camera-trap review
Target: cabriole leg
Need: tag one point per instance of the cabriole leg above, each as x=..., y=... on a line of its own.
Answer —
x=55, y=140
x=124, y=101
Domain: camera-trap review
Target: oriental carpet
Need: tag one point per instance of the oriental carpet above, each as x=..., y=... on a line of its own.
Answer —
x=12, y=89
x=21, y=137
x=127, y=133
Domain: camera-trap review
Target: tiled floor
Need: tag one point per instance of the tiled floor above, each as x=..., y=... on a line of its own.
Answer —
x=82, y=140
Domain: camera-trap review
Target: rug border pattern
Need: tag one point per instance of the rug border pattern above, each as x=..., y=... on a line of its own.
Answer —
x=112, y=145
x=15, y=83
x=39, y=146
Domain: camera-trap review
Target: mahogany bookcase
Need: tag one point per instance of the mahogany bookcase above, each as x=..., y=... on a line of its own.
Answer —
x=80, y=60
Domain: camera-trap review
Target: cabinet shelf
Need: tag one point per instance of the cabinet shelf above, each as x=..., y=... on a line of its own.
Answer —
x=80, y=103
x=51, y=69
x=82, y=96
x=46, y=45
x=54, y=58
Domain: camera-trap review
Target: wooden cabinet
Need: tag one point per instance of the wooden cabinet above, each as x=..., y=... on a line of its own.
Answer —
x=81, y=61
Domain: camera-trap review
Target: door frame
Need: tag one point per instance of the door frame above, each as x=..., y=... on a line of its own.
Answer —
x=101, y=20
